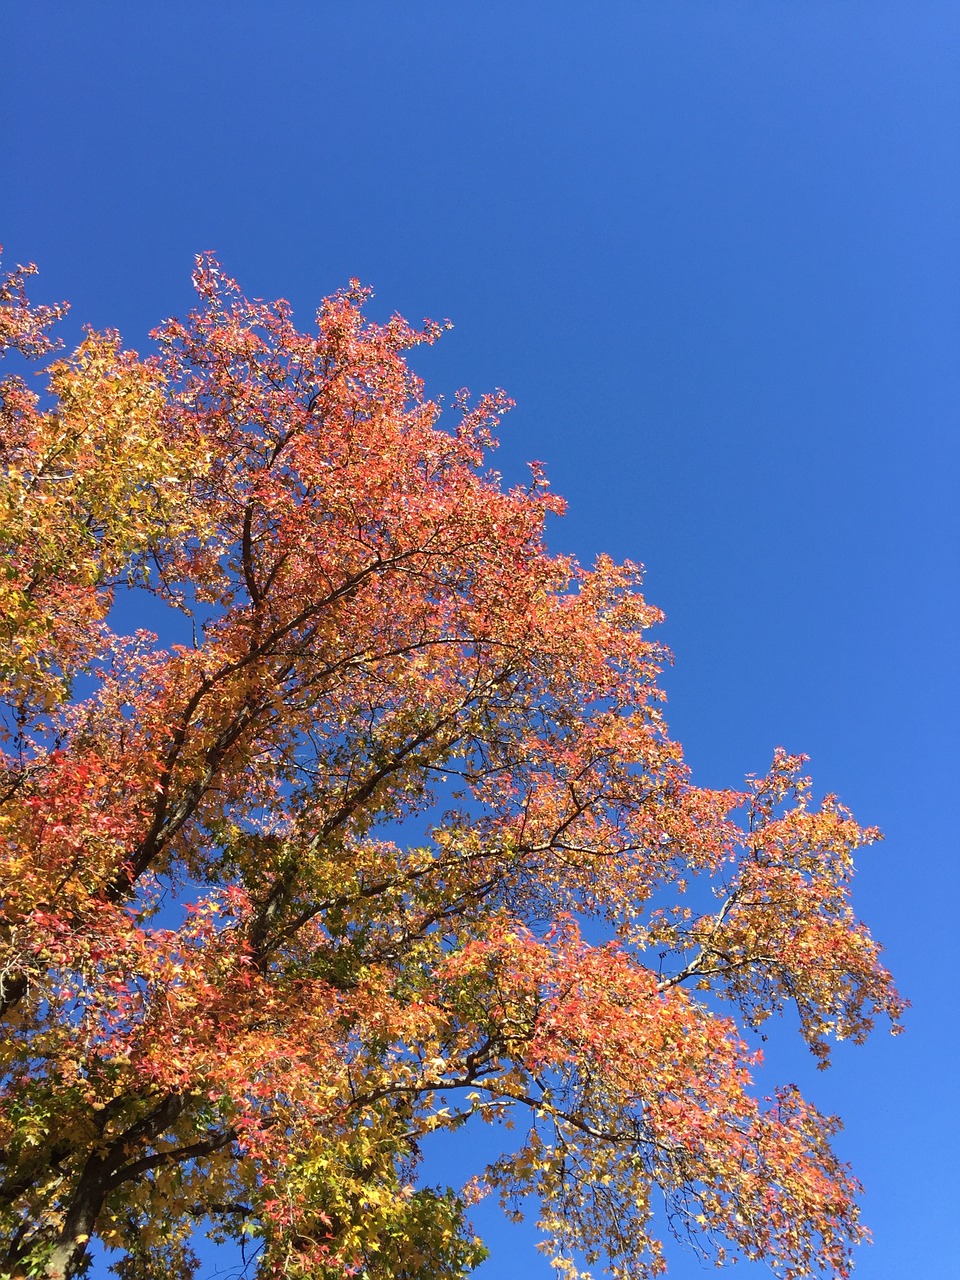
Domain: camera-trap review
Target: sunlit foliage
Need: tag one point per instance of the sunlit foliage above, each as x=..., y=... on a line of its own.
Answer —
x=383, y=834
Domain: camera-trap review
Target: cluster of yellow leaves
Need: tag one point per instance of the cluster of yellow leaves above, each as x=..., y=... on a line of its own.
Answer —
x=89, y=488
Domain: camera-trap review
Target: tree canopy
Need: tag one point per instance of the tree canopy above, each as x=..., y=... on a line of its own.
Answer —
x=376, y=832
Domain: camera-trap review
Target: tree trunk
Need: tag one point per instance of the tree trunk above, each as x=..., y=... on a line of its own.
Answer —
x=70, y=1248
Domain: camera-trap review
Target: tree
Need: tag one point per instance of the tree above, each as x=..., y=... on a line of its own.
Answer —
x=384, y=836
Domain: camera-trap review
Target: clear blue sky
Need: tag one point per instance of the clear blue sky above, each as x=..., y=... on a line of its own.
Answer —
x=711, y=247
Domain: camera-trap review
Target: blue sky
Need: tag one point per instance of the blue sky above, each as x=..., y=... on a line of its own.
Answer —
x=711, y=248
